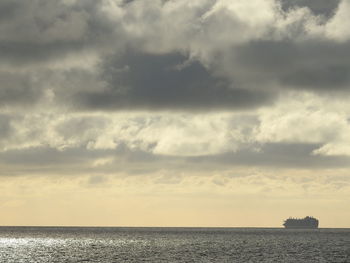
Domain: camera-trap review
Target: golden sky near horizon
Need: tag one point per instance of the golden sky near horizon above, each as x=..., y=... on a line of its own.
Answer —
x=219, y=199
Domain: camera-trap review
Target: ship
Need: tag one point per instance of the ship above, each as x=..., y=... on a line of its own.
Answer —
x=308, y=222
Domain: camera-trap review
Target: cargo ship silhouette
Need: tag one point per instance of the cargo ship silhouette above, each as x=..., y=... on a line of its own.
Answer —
x=308, y=222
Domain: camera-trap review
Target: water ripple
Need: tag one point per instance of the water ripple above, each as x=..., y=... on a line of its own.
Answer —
x=172, y=245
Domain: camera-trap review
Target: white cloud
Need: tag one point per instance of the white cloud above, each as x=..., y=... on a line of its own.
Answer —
x=338, y=27
x=296, y=118
x=303, y=118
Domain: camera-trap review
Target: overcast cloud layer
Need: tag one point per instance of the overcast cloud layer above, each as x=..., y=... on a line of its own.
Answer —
x=109, y=85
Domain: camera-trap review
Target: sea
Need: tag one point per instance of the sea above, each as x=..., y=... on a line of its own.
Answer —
x=127, y=244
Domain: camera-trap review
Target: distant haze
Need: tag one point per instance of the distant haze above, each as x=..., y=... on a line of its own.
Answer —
x=174, y=112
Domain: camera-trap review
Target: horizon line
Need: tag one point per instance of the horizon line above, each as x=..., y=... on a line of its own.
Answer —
x=198, y=227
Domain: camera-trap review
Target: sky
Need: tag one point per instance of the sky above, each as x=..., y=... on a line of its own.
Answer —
x=174, y=112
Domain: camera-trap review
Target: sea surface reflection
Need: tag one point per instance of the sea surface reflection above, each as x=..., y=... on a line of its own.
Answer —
x=45, y=244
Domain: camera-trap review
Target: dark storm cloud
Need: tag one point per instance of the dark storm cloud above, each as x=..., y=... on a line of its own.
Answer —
x=79, y=160
x=26, y=53
x=240, y=77
x=312, y=65
x=5, y=126
x=44, y=160
x=319, y=7
x=167, y=81
x=8, y=9
x=39, y=30
x=284, y=155
x=18, y=89
x=43, y=155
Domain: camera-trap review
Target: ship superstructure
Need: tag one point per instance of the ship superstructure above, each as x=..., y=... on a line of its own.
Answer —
x=307, y=222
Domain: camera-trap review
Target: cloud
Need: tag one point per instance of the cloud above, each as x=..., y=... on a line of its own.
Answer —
x=336, y=28
x=5, y=126
x=166, y=81
x=153, y=83
x=277, y=155
x=36, y=30
x=309, y=65
x=320, y=7
x=125, y=162
x=18, y=89
x=298, y=132
x=169, y=55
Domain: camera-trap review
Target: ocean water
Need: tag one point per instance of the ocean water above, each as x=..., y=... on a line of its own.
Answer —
x=44, y=244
